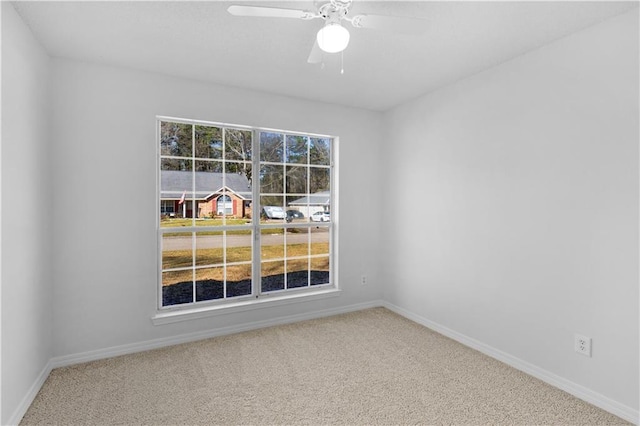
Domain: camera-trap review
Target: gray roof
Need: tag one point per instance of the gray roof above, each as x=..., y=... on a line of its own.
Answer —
x=318, y=199
x=174, y=183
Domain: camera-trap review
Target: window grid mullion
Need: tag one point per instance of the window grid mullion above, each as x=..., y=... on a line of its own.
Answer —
x=308, y=199
x=256, y=266
x=285, y=168
x=224, y=212
x=224, y=261
x=193, y=207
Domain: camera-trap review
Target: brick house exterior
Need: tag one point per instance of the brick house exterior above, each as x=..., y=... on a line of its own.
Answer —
x=212, y=197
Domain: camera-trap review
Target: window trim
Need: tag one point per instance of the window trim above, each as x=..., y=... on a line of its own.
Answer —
x=207, y=310
x=257, y=299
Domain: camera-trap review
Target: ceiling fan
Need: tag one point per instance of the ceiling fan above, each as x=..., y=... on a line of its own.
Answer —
x=334, y=37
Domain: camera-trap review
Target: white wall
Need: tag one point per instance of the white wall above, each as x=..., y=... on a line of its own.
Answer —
x=523, y=180
x=26, y=214
x=104, y=208
x=524, y=184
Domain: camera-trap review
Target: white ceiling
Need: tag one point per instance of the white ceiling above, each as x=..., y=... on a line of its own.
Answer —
x=200, y=40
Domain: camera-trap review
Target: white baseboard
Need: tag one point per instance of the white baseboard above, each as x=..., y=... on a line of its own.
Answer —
x=599, y=400
x=79, y=358
x=30, y=396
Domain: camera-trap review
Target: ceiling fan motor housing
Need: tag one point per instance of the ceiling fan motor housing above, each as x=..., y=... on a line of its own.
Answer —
x=334, y=11
x=341, y=4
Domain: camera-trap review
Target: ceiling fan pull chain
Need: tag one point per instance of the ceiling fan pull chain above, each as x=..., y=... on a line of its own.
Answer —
x=342, y=62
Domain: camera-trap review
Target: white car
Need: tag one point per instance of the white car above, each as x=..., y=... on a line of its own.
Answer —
x=321, y=217
x=274, y=212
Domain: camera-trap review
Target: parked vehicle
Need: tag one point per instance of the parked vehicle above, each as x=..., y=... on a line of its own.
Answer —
x=294, y=214
x=321, y=217
x=274, y=212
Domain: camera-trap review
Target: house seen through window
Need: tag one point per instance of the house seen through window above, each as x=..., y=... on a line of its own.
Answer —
x=244, y=212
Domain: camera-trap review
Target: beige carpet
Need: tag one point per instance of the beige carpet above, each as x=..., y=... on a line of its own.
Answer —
x=367, y=367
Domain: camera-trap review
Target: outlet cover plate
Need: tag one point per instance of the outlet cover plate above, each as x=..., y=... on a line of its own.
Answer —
x=582, y=345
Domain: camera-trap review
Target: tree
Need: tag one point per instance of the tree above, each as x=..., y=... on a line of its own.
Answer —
x=320, y=151
x=175, y=141
x=319, y=155
x=237, y=146
x=208, y=142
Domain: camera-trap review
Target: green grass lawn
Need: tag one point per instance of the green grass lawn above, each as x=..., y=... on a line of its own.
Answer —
x=183, y=258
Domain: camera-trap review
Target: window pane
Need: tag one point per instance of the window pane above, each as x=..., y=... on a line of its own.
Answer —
x=238, y=280
x=177, y=251
x=209, y=248
x=298, y=208
x=271, y=179
x=177, y=287
x=208, y=142
x=320, y=240
x=297, y=242
x=297, y=247
x=238, y=183
x=296, y=181
x=272, y=244
x=271, y=147
x=237, y=144
x=272, y=276
x=209, y=283
x=297, y=273
x=176, y=188
x=176, y=139
x=208, y=182
x=238, y=246
x=297, y=149
x=320, y=270
x=319, y=180
x=320, y=151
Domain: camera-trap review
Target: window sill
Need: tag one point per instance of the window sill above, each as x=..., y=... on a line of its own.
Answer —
x=170, y=317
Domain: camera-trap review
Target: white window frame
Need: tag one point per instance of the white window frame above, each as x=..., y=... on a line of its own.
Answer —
x=257, y=298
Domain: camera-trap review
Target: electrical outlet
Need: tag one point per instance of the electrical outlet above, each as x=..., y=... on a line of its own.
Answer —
x=582, y=345
x=363, y=280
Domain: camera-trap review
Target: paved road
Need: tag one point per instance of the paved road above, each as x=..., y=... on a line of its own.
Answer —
x=320, y=235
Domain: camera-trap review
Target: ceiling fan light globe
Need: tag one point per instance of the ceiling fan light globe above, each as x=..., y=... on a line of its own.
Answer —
x=333, y=38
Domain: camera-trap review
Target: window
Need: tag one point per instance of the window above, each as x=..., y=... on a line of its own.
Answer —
x=236, y=206
x=167, y=207
x=225, y=206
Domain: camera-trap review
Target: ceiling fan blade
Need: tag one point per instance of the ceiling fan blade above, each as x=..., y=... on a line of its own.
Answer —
x=267, y=12
x=396, y=24
x=315, y=57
